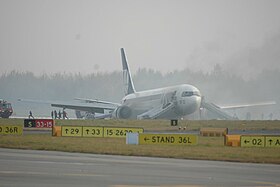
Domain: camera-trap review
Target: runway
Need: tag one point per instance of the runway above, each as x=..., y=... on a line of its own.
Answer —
x=49, y=168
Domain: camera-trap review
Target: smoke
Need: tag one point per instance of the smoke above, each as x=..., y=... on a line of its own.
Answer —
x=249, y=63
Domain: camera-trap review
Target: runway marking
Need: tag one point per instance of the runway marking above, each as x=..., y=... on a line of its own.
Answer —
x=23, y=172
x=156, y=186
x=267, y=184
x=45, y=173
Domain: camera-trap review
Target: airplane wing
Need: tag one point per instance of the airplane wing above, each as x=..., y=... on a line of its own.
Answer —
x=222, y=114
x=85, y=107
x=217, y=111
x=96, y=107
x=248, y=105
x=97, y=101
x=34, y=101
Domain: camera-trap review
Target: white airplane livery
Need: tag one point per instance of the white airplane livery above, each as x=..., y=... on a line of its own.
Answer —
x=168, y=103
x=162, y=103
x=172, y=102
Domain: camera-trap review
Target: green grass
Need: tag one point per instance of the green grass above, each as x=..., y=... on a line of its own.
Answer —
x=160, y=125
x=208, y=148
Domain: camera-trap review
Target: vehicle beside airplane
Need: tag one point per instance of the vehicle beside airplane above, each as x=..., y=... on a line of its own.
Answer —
x=6, y=109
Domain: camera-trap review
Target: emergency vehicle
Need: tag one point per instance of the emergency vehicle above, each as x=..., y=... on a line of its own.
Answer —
x=6, y=109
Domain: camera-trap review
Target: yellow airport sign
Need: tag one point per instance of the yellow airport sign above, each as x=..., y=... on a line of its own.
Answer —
x=252, y=141
x=168, y=139
x=120, y=132
x=91, y=131
x=272, y=141
x=71, y=131
x=11, y=129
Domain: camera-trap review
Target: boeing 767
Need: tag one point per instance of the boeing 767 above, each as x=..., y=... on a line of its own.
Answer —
x=172, y=102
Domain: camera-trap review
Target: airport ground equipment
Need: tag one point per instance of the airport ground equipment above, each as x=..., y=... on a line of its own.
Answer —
x=6, y=109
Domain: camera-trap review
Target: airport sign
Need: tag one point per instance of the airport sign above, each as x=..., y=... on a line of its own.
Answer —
x=91, y=131
x=44, y=123
x=252, y=141
x=71, y=131
x=29, y=123
x=120, y=132
x=97, y=131
x=168, y=139
x=272, y=141
x=11, y=130
x=38, y=123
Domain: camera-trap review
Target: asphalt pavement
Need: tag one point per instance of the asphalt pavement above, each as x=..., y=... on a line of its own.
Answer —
x=25, y=168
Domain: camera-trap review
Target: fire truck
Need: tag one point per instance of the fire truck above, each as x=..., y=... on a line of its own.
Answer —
x=5, y=109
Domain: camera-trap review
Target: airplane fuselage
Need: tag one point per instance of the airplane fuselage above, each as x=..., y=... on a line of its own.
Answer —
x=172, y=102
x=182, y=99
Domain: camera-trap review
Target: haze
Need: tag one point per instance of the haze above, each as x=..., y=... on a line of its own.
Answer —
x=86, y=36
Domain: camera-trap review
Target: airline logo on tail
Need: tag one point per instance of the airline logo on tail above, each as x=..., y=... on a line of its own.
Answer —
x=127, y=81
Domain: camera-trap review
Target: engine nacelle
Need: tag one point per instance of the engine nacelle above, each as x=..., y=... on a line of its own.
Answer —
x=123, y=112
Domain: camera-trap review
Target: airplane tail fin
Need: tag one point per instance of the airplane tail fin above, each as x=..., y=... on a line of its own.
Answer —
x=128, y=84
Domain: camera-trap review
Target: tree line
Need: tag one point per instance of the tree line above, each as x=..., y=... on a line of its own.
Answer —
x=217, y=86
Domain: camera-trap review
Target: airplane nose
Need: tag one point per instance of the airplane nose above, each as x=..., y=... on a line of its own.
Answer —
x=196, y=101
x=192, y=105
x=188, y=100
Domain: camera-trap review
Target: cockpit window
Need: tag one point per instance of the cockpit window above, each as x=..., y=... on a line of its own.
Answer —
x=190, y=93
x=187, y=94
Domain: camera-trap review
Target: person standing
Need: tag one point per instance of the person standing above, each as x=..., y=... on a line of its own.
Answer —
x=55, y=114
x=64, y=115
x=30, y=115
x=59, y=114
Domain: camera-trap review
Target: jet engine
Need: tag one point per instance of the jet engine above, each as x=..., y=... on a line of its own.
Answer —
x=123, y=112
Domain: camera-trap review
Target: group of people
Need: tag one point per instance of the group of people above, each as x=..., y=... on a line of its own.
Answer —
x=54, y=115
x=59, y=114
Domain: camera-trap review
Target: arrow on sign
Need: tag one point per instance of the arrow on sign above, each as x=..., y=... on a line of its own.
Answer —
x=270, y=141
x=146, y=139
x=246, y=141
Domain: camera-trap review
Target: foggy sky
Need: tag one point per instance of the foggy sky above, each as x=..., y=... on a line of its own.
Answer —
x=86, y=36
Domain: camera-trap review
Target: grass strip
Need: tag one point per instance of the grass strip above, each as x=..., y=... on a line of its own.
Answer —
x=208, y=148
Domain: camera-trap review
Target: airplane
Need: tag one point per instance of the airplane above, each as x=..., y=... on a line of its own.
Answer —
x=172, y=102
